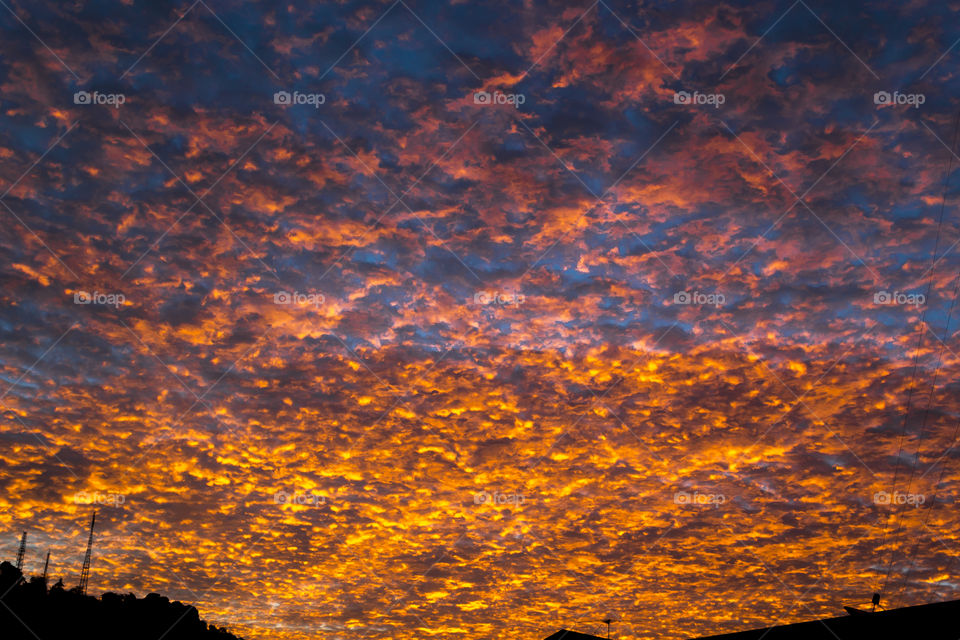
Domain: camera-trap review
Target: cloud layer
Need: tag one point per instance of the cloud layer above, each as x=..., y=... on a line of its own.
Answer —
x=444, y=320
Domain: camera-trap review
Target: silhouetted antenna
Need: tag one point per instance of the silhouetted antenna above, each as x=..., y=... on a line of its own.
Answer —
x=85, y=572
x=875, y=601
x=46, y=564
x=21, y=551
x=608, y=621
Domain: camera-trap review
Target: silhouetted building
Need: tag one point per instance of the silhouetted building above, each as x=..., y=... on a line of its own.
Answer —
x=32, y=611
x=564, y=634
x=937, y=621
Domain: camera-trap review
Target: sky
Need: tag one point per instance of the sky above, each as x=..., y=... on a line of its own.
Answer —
x=464, y=320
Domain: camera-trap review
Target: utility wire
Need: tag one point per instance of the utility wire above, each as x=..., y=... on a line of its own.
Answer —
x=946, y=333
x=936, y=246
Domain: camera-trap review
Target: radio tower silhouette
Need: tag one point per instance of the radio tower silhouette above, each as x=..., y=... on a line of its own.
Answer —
x=85, y=572
x=21, y=550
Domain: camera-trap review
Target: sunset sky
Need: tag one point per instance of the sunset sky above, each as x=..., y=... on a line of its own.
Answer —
x=476, y=320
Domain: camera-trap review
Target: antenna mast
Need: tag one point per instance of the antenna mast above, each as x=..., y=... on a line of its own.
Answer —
x=85, y=572
x=45, y=565
x=21, y=550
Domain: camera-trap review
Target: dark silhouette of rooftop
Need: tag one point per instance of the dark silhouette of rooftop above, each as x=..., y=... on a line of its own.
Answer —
x=564, y=634
x=34, y=611
x=937, y=621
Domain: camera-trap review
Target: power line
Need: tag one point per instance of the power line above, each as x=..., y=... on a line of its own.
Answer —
x=936, y=487
x=943, y=201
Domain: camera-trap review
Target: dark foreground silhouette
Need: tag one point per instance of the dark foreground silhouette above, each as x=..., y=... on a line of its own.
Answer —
x=938, y=621
x=33, y=611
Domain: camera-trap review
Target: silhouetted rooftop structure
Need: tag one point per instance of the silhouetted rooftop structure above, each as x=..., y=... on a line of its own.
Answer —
x=564, y=634
x=33, y=611
x=937, y=621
